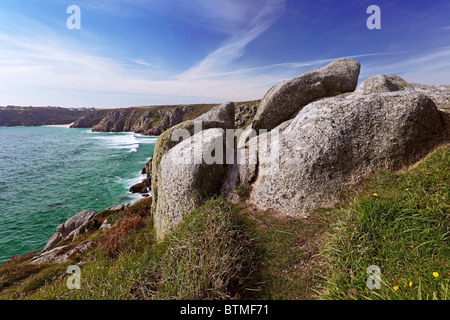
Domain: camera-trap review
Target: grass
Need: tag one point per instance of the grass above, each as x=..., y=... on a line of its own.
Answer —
x=288, y=252
x=244, y=190
x=209, y=256
x=399, y=222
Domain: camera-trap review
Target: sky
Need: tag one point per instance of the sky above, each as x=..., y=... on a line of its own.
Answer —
x=136, y=52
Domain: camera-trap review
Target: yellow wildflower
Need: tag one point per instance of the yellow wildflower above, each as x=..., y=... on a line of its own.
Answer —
x=436, y=274
x=395, y=288
x=410, y=283
x=375, y=194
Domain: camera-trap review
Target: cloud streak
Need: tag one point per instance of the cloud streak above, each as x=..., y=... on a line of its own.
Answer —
x=260, y=20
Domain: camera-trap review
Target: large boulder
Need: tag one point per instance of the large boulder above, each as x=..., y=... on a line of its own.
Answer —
x=440, y=94
x=383, y=83
x=224, y=113
x=75, y=222
x=221, y=116
x=187, y=178
x=334, y=143
x=283, y=101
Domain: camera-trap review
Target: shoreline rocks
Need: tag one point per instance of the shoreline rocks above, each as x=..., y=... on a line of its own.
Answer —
x=68, y=228
x=144, y=186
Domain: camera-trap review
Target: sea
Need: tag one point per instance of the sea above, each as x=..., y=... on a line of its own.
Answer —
x=48, y=174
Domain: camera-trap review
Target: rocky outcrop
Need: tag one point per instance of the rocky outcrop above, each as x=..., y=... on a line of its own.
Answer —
x=383, y=83
x=150, y=122
x=336, y=142
x=221, y=116
x=283, y=101
x=61, y=254
x=144, y=186
x=440, y=94
x=187, y=179
x=313, y=151
x=69, y=228
x=140, y=187
x=90, y=120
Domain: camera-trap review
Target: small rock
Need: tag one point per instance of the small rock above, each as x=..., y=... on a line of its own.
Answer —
x=139, y=188
x=117, y=208
x=105, y=225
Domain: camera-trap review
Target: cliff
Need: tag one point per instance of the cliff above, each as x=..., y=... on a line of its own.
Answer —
x=39, y=116
x=90, y=119
x=154, y=120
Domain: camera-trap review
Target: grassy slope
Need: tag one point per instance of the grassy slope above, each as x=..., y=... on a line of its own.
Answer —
x=399, y=222
x=225, y=251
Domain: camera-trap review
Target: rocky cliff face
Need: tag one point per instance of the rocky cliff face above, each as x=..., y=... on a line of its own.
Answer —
x=91, y=119
x=144, y=120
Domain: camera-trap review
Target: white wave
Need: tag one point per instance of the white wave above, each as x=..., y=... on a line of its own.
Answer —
x=119, y=141
x=146, y=139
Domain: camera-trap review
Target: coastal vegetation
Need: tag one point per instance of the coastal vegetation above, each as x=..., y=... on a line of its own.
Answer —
x=354, y=204
x=225, y=251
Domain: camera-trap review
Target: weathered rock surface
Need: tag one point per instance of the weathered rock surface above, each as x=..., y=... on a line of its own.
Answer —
x=60, y=254
x=383, y=83
x=147, y=170
x=222, y=113
x=90, y=120
x=245, y=113
x=187, y=179
x=283, y=101
x=335, y=142
x=69, y=228
x=140, y=187
x=75, y=222
x=221, y=116
x=440, y=94
x=147, y=123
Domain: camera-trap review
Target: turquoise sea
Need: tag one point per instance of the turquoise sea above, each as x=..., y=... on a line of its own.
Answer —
x=48, y=174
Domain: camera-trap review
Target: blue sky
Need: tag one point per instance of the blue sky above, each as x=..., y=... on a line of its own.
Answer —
x=136, y=52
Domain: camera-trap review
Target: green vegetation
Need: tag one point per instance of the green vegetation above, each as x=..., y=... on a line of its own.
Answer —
x=209, y=256
x=244, y=190
x=397, y=221
x=38, y=116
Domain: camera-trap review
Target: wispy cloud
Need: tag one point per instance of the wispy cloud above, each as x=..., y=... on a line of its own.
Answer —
x=259, y=20
x=428, y=66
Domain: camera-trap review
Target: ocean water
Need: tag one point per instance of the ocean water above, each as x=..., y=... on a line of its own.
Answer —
x=48, y=174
